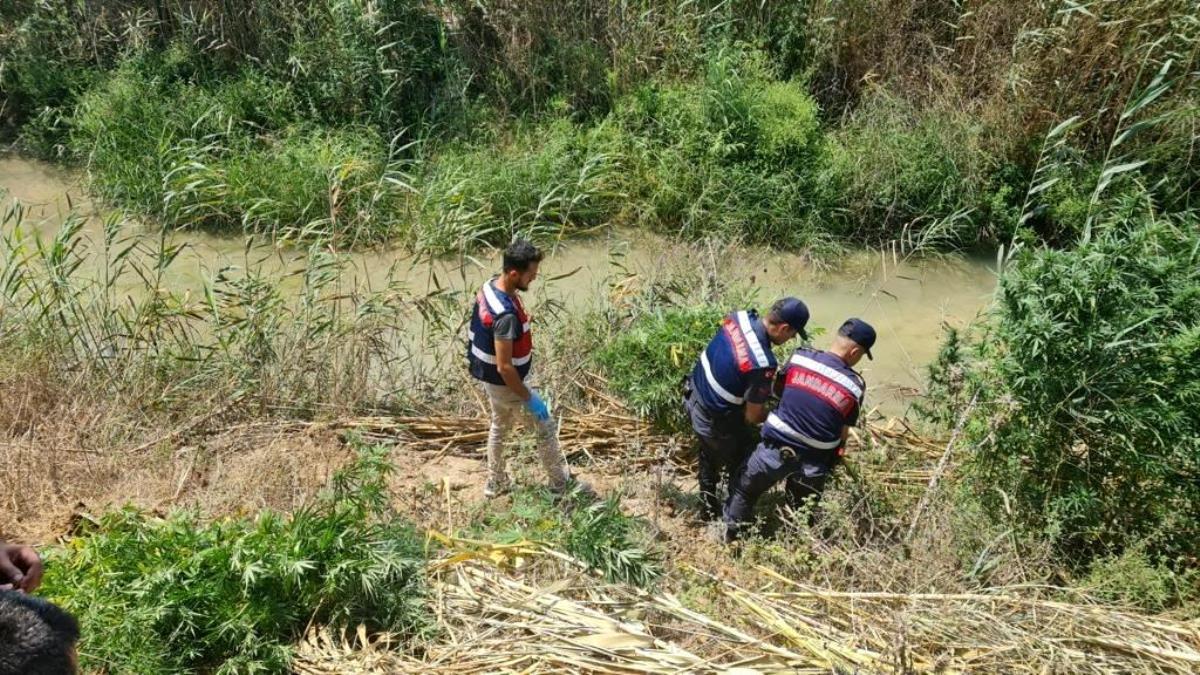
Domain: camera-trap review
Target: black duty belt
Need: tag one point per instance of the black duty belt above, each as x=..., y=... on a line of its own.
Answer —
x=794, y=452
x=785, y=451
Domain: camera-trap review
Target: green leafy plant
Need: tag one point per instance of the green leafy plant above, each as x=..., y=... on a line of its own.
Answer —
x=895, y=171
x=1134, y=580
x=1089, y=370
x=451, y=125
x=645, y=364
x=604, y=537
x=598, y=533
x=728, y=155
x=178, y=594
x=548, y=180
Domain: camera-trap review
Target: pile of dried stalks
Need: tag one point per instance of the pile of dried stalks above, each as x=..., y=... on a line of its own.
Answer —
x=498, y=614
x=607, y=437
x=598, y=434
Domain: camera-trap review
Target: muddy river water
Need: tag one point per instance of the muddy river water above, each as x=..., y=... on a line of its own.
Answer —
x=908, y=301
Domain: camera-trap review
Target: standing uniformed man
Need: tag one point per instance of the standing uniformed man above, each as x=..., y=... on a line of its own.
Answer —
x=804, y=438
x=728, y=387
x=500, y=355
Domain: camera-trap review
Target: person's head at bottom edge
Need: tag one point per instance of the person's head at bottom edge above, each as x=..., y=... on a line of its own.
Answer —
x=36, y=637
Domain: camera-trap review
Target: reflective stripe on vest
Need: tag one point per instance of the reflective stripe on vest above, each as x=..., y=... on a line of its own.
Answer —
x=760, y=358
x=716, y=386
x=490, y=304
x=776, y=422
x=825, y=383
x=821, y=396
x=720, y=374
x=840, y=378
x=745, y=343
x=488, y=358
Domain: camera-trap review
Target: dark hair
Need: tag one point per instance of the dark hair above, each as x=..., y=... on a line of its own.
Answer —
x=520, y=255
x=776, y=313
x=36, y=637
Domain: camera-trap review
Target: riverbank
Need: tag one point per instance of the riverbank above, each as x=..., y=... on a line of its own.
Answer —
x=120, y=383
x=426, y=125
x=909, y=298
x=233, y=407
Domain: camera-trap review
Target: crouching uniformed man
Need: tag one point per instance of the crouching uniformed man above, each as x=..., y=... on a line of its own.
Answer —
x=804, y=438
x=729, y=385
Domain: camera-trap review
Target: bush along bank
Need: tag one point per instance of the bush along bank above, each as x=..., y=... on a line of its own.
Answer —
x=1086, y=376
x=422, y=123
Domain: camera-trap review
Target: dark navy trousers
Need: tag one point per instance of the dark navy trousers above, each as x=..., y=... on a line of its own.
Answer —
x=806, y=471
x=724, y=443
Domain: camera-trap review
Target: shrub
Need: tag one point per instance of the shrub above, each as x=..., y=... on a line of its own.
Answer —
x=646, y=362
x=946, y=380
x=548, y=179
x=895, y=171
x=379, y=63
x=738, y=112
x=124, y=128
x=231, y=596
x=44, y=66
x=1132, y=579
x=230, y=157
x=599, y=534
x=787, y=131
x=1089, y=375
x=730, y=155
x=1067, y=202
x=300, y=185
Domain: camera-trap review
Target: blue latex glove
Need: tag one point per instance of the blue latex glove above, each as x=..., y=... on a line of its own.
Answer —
x=538, y=407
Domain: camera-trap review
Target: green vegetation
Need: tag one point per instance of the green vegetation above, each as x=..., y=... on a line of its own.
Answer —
x=1062, y=131
x=1087, y=377
x=647, y=361
x=252, y=337
x=1133, y=579
x=921, y=176
x=445, y=124
x=542, y=180
x=727, y=155
x=181, y=595
x=599, y=534
x=1085, y=371
x=191, y=156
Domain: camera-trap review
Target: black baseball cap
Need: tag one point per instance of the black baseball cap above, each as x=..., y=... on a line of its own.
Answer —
x=861, y=332
x=794, y=313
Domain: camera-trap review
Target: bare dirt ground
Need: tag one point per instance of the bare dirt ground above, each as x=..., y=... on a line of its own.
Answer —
x=55, y=477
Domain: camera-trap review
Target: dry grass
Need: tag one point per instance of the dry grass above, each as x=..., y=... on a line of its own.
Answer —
x=56, y=451
x=69, y=450
x=523, y=608
x=605, y=436
x=243, y=472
